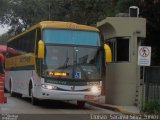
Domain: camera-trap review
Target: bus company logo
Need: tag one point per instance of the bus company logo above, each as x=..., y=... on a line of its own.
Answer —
x=25, y=59
x=73, y=88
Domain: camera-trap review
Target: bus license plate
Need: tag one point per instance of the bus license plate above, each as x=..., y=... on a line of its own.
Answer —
x=90, y=97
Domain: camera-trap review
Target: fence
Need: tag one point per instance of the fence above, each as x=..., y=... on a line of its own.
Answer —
x=152, y=83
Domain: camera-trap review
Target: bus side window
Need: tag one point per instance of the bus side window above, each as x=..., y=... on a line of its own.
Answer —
x=28, y=41
x=31, y=41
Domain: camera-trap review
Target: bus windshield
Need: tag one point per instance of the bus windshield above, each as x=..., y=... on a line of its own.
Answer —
x=78, y=62
x=58, y=36
x=73, y=52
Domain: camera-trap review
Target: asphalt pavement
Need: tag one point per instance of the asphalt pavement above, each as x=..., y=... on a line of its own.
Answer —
x=22, y=109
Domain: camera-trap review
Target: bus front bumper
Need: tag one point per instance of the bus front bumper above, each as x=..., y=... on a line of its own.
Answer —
x=68, y=95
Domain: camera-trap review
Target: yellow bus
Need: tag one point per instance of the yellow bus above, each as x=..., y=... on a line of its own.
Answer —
x=57, y=61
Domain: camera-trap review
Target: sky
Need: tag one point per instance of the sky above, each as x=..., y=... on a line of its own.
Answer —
x=3, y=29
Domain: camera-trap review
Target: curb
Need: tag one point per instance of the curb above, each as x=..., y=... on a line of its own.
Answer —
x=113, y=108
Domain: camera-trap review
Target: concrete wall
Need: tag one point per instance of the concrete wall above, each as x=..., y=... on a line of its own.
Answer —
x=122, y=26
x=123, y=78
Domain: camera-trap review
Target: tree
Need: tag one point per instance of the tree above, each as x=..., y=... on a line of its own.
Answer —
x=24, y=13
x=84, y=11
x=123, y=5
x=4, y=10
x=3, y=6
x=4, y=38
x=150, y=9
x=21, y=14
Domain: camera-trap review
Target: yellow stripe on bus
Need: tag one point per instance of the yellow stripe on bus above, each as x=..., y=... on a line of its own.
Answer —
x=21, y=60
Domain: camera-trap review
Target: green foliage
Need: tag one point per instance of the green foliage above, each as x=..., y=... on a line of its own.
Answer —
x=151, y=107
x=21, y=14
x=109, y=8
x=3, y=5
x=123, y=5
x=150, y=9
x=24, y=13
x=85, y=11
x=4, y=38
x=3, y=9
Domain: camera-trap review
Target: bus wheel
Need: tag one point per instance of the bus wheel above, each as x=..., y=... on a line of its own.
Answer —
x=12, y=94
x=81, y=104
x=34, y=101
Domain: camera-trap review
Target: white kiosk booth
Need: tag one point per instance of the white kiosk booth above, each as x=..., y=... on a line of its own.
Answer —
x=123, y=81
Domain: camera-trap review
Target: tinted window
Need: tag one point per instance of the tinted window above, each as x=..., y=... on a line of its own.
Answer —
x=120, y=49
x=71, y=37
x=23, y=44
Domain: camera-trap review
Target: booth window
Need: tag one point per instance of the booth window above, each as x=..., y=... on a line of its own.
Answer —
x=120, y=49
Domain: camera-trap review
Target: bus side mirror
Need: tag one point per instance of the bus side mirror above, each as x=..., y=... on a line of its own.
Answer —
x=108, y=53
x=41, y=49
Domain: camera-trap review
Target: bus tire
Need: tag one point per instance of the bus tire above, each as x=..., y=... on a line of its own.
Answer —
x=81, y=104
x=5, y=90
x=34, y=101
x=12, y=94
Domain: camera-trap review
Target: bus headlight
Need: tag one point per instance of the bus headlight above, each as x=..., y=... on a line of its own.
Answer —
x=49, y=87
x=95, y=89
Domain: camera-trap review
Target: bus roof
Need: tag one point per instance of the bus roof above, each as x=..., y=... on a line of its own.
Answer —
x=66, y=25
x=59, y=25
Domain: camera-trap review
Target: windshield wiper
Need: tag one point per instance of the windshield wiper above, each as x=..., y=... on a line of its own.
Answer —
x=65, y=64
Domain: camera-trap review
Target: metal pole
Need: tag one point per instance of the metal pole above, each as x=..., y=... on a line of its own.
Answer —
x=49, y=10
